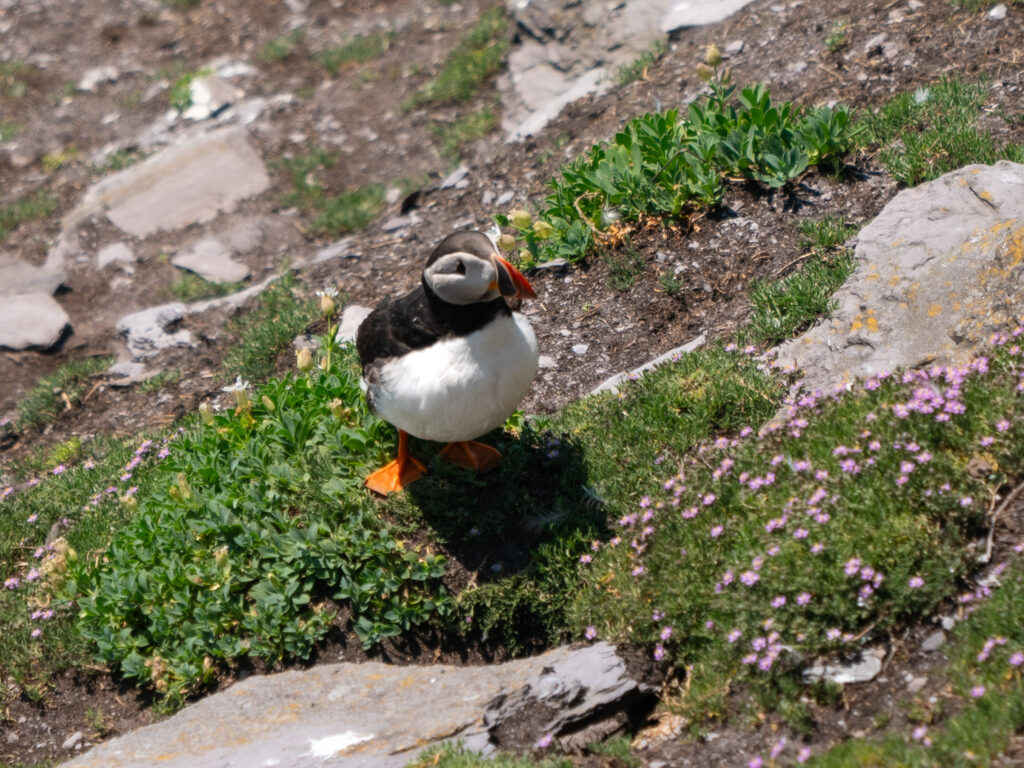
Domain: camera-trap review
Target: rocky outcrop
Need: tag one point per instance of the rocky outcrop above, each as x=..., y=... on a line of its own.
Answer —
x=381, y=716
x=938, y=271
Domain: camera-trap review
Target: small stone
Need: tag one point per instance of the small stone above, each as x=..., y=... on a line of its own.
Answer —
x=455, y=177
x=580, y=349
x=864, y=669
x=12, y=737
x=948, y=622
x=96, y=76
x=504, y=198
x=734, y=47
x=915, y=5
x=998, y=12
x=147, y=333
x=210, y=259
x=114, y=253
x=72, y=741
x=335, y=250
x=210, y=96
x=934, y=641
x=556, y=265
x=351, y=318
x=547, y=362
x=126, y=368
x=916, y=684
x=875, y=42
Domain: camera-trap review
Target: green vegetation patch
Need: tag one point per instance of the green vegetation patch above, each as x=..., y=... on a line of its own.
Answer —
x=38, y=205
x=14, y=77
x=359, y=49
x=266, y=329
x=282, y=46
x=845, y=522
x=58, y=391
x=667, y=166
x=189, y=287
x=636, y=69
x=476, y=58
x=786, y=307
x=256, y=529
x=333, y=215
x=933, y=130
x=453, y=137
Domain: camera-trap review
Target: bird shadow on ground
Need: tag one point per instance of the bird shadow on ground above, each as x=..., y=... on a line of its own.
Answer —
x=492, y=526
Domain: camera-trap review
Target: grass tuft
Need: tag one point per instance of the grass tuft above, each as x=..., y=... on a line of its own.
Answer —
x=476, y=58
x=59, y=391
x=454, y=137
x=281, y=47
x=190, y=287
x=38, y=205
x=264, y=331
x=359, y=49
x=637, y=69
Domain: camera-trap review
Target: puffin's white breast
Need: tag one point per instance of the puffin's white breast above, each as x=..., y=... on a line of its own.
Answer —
x=462, y=387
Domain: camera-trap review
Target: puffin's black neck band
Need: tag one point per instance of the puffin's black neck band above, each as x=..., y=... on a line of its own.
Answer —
x=463, y=319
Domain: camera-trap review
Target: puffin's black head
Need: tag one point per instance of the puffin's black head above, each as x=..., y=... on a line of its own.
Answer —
x=465, y=268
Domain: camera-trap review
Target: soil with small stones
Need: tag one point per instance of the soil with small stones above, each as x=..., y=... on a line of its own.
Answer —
x=358, y=115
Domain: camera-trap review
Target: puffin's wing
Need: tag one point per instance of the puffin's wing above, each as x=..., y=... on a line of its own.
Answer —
x=397, y=327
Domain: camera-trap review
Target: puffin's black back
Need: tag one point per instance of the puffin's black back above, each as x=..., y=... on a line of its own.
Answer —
x=421, y=318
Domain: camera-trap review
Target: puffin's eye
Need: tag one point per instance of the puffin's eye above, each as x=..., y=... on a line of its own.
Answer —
x=460, y=267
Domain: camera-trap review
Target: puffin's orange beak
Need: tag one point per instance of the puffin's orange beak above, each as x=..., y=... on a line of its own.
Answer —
x=510, y=281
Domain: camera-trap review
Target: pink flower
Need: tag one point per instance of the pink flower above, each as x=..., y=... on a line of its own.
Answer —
x=666, y=633
x=716, y=531
x=733, y=636
x=978, y=691
x=803, y=755
x=915, y=582
x=590, y=632
x=779, y=601
x=803, y=598
x=585, y=558
x=36, y=632
x=1016, y=659
x=544, y=741
x=659, y=652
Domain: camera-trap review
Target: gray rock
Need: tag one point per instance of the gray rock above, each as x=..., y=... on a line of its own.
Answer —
x=210, y=95
x=922, y=292
x=866, y=667
x=916, y=684
x=351, y=318
x=113, y=254
x=31, y=321
x=611, y=384
x=948, y=622
x=934, y=641
x=334, y=251
x=126, y=368
x=998, y=12
x=734, y=47
x=546, y=362
x=187, y=184
x=72, y=741
x=453, y=178
x=698, y=13
x=372, y=714
x=18, y=277
x=555, y=265
x=580, y=349
x=97, y=76
x=150, y=330
x=211, y=260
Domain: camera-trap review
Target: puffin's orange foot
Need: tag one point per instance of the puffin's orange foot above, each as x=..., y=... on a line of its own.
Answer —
x=472, y=455
x=395, y=475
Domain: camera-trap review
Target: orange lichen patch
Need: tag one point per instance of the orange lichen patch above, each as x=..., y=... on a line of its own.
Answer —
x=865, y=320
x=894, y=280
x=873, y=274
x=934, y=310
x=1010, y=257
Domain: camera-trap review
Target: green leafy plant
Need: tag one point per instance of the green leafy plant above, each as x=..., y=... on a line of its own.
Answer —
x=667, y=166
x=180, y=94
x=282, y=46
x=838, y=35
x=256, y=530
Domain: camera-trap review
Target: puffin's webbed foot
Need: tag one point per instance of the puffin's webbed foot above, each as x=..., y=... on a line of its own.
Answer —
x=472, y=455
x=397, y=474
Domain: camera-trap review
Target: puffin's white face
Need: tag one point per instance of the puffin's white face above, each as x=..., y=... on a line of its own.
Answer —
x=463, y=278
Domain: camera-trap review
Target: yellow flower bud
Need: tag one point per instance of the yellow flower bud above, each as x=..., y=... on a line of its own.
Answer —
x=131, y=503
x=220, y=556
x=506, y=242
x=520, y=218
x=713, y=57
x=206, y=412
x=326, y=305
x=268, y=403
x=704, y=72
x=304, y=359
x=338, y=408
x=542, y=229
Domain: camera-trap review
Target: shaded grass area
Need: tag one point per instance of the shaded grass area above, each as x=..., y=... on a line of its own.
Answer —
x=190, y=287
x=637, y=69
x=474, y=59
x=59, y=391
x=454, y=137
x=359, y=49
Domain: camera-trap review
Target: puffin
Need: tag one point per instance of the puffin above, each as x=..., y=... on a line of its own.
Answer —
x=449, y=361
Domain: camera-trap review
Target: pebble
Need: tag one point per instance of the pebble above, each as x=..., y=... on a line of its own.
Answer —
x=916, y=684
x=934, y=641
x=998, y=12
x=72, y=741
x=948, y=622
x=580, y=349
x=734, y=47
x=546, y=361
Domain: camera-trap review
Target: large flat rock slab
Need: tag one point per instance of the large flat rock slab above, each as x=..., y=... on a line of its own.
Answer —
x=187, y=184
x=372, y=714
x=938, y=271
x=17, y=276
x=31, y=321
